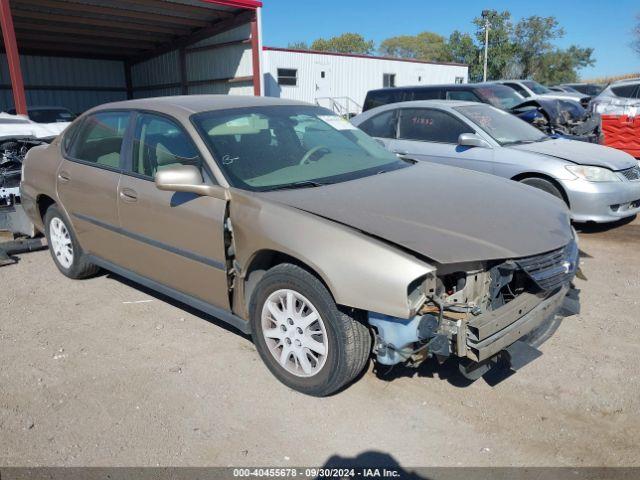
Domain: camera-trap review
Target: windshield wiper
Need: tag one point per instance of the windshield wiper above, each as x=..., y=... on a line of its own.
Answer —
x=294, y=185
x=519, y=142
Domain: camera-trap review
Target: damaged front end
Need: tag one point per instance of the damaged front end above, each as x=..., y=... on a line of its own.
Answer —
x=564, y=118
x=480, y=313
x=12, y=154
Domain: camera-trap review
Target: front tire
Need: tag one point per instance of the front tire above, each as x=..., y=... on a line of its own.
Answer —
x=307, y=341
x=64, y=247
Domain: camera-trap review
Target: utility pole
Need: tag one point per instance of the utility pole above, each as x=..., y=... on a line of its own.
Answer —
x=487, y=25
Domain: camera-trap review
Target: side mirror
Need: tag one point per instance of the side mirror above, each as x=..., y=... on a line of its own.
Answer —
x=187, y=178
x=472, y=140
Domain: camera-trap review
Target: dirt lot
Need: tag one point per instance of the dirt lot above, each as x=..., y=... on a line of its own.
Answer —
x=101, y=372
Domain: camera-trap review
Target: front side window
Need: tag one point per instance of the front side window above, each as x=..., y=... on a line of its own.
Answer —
x=428, y=125
x=503, y=127
x=268, y=148
x=99, y=139
x=159, y=143
x=536, y=88
x=288, y=76
x=518, y=88
x=382, y=125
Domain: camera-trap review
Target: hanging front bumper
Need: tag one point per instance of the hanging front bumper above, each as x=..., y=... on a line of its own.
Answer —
x=486, y=335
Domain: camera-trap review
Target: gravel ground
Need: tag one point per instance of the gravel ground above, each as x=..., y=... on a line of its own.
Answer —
x=102, y=372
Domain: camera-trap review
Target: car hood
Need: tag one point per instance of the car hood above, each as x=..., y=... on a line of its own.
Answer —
x=565, y=95
x=582, y=153
x=15, y=126
x=447, y=214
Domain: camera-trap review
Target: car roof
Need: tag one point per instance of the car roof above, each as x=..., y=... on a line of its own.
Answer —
x=443, y=104
x=626, y=80
x=451, y=86
x=186, y=105
x=510, y=80
x=46, y=107
x=433, y=103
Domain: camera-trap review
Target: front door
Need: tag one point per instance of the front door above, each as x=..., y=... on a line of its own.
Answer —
x=173, y=238
x=87, y=182
x=432, y=135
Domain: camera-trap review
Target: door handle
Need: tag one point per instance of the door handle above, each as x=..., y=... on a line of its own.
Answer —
x=128, y=195
x=400, y=153
x=64, y=177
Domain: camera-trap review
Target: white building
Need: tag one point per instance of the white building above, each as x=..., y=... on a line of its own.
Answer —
x=341, y=81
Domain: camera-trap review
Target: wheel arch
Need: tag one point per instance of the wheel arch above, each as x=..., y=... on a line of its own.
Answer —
x=265, y=259
x=43, y=202
x=548, y=178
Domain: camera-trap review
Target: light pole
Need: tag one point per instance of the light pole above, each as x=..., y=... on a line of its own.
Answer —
x=487, y=25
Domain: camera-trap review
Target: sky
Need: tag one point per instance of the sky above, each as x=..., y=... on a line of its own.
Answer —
x=604, y=26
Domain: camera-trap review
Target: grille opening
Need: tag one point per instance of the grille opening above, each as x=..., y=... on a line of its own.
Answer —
x=632, y=173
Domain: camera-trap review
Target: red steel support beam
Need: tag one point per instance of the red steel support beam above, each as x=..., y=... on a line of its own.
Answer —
x=255, y=53
x=13, y=59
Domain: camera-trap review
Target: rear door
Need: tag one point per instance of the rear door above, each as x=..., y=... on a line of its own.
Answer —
x=173, y=238
x=432, y=135
x=87, y=180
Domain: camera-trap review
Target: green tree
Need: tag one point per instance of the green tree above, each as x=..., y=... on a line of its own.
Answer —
x=298, y=46
x=427, y=46
x=345, y=43
x=561, y=66
x=501, y=47
x=462, y=49
x=523, y=50
x=532, y=38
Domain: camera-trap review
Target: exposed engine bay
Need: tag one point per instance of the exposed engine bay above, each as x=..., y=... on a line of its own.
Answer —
x=477, y=313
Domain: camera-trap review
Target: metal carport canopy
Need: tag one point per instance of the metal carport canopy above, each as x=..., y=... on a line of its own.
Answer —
x=128, y=30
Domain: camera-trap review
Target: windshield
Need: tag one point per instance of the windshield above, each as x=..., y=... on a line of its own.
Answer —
x=503, y=127
x=499, y=96
x=268, y=148
x=51, y=115
x=536, y=88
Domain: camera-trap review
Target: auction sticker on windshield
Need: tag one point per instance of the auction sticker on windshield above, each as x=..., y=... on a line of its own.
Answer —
x=336, y=122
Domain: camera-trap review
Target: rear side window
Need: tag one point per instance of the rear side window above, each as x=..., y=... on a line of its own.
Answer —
x=382, y=125
x=159, y=143
x=99, y=139
x=382, y=97
x=465, y=95
x=426, y=94
x=428, y=125
x=625, y=91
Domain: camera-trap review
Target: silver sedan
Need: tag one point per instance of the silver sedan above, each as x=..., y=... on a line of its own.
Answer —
x=599, y=184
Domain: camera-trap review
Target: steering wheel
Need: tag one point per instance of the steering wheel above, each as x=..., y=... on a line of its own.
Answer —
x=306, y=159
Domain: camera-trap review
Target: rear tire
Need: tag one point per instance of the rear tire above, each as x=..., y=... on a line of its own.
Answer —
x=315, y=357
x=544, y=185
x=64, y=247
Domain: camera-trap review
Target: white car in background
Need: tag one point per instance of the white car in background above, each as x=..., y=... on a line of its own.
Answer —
x=619, y=98
x=532, y=89
x=598, y=184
